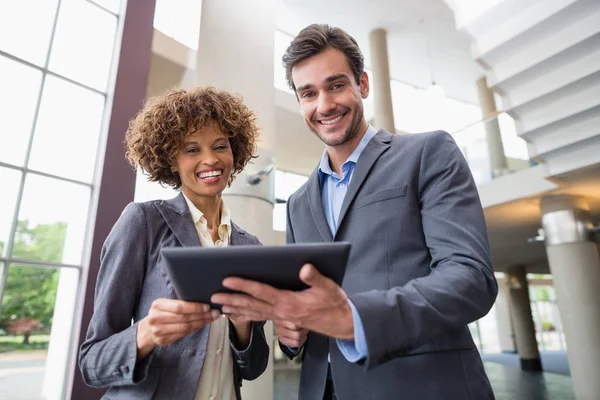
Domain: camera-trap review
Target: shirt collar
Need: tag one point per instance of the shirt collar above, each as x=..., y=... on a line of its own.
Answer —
x=325, y=168
x=225, y=215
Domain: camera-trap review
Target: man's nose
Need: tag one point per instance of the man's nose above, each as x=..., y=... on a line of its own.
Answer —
x=325, y=104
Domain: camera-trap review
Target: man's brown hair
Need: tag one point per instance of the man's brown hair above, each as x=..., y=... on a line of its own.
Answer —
x=317, y=38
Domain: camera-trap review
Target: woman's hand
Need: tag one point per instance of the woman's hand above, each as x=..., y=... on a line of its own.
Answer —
x=169, y=320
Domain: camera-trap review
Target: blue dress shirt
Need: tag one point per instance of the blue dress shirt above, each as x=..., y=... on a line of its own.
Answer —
x=333, y=191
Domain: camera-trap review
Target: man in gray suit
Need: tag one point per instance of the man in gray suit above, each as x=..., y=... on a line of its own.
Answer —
x=419, y=270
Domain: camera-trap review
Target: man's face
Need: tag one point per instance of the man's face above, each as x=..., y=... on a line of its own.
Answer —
x=330, y=99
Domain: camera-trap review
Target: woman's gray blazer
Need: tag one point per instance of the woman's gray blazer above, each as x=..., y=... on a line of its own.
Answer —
x=132, y=275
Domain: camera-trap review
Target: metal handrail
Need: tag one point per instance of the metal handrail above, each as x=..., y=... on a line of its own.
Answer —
x=490, y=117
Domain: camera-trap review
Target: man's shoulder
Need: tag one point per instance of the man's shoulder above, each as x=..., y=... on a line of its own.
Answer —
x=422, y=138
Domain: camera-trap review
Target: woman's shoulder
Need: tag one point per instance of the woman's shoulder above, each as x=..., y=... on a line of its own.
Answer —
x=248, y=237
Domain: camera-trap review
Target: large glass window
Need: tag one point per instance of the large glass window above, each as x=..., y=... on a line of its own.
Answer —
x=67, y=129
x=83, y=43
x=546, y=317
x=26, y=27
x=37, y=309
x=146, y=190
x=53, y=86
x=19, y=91
x=53, y=229
x=111, y=5
x=10, y=181
x=286, y=183
x=179, y=19
x=280, y=44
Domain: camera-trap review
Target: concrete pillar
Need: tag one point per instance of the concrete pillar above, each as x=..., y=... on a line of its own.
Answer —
x=506, y=333
x=498, y=163
x=522, y=319
x=575, y=267
x=384, y=113
x=235, y=53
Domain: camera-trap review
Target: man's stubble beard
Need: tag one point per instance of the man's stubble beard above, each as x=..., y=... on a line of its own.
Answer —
x=350, y=133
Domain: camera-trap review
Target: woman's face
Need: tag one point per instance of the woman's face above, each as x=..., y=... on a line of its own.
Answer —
x=204, y=163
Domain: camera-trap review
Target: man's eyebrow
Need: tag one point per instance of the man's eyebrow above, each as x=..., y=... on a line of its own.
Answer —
x=336, y=77
x=305, y=87
x=328, y=79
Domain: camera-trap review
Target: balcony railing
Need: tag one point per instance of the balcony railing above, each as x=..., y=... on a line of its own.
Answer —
x=489, y=158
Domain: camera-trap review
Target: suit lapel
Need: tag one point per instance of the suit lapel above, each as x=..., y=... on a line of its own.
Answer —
x=238, y=237
x=374, y=149
x=313, y=189
x=177, y=215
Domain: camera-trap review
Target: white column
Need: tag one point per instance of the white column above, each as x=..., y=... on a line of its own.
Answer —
x=498, y=163
x=575, y=267
x=384, y=113
x=506, y=333
x=235, y=53
x=523, y=320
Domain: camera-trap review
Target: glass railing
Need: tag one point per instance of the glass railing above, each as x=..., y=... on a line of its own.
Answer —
x=488, y=158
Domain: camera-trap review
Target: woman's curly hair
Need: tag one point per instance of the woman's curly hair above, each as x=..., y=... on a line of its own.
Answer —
x=156, y=134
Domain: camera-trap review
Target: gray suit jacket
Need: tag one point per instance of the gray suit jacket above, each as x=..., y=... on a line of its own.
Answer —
x=132, y=275
x=419, y=271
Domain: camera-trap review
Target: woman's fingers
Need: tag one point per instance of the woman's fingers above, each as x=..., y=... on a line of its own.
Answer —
x=165, y=317
x=179, y=306
x=170, y=320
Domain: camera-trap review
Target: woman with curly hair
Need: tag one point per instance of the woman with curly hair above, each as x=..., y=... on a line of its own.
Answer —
x=142, y=342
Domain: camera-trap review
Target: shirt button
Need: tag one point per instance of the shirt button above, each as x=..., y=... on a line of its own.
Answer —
x=211, y=398
x=219, y=351
x=219, y=243
x=342, y=185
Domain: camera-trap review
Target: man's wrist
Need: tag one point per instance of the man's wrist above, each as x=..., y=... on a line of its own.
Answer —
x=346, y=322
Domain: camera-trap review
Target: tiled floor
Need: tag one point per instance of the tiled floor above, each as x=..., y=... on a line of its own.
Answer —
x=509, y=383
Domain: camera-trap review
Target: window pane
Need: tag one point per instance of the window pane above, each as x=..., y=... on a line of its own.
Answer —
x=287, y=183
x=66, y=134
x=25, y=28
x=35, y=330
x=111, y=5
x=51, y=230
x=187, y=22
x=20, y=86
x=279, y=217
x=281, y=43
x=83, y=45
x=146, y=190
x=179, y=19
x=164, y=16
x=8, y=200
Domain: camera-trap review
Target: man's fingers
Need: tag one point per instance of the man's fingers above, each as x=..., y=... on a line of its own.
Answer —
x=292, y=338
x=291, y=342
x=312, y=277
x=244, y=313
x=240, y=301
x=286, y=325
x=179, y=306
x=291, y=334
x=257, y=290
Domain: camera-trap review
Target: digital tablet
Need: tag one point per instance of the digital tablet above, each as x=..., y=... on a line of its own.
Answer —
x=197, y=273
